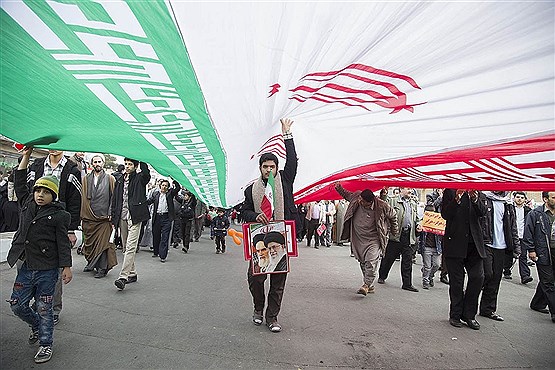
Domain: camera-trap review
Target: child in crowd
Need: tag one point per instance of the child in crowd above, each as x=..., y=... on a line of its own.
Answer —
x=220, y=224
x=42, y=244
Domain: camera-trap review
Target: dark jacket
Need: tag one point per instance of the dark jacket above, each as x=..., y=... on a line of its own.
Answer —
x=220, y=224
x=463, y=224
x=187, y=209
x=170, y=195
x=70, y=187
x=288, y=175
x=536, y=235
x=138, y=207
x=41, y=239
x=509, y=226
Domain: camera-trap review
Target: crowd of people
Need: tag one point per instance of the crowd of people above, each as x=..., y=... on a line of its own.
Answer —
x=485, y=232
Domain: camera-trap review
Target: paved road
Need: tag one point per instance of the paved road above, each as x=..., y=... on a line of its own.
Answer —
x=194, y=312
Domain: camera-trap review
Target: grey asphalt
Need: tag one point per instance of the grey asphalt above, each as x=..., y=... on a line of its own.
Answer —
x=194, y=312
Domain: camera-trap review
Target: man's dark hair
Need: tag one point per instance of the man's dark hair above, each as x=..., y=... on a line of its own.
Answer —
x=121, y=167
x=164, y=180
x=135, y=162
x=519, y=193
x=545, y=194
x=367, y=195
x=268, y=157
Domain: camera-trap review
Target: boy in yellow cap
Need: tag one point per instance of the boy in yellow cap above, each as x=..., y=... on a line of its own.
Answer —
x=41, y=242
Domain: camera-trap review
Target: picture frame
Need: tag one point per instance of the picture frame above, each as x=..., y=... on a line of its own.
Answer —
x=269, y=246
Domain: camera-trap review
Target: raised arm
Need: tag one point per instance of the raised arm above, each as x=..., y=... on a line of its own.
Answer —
x=346, y=194
x=291, y=160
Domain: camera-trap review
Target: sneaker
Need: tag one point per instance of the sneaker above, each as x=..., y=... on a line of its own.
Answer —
x=131, y=279
x=381, y=281
x=56, y=319
x=33, y=336
x=257, y=318
x=508, y=277
x=217, y=251
x=425, y=285
x=365, y=289
x=120, y=283
x=44, y=354
x=274, y=327
x=185, y=250
x=162, y=260
x=527, y=279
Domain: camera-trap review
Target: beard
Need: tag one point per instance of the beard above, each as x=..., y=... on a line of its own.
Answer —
x=263, y=262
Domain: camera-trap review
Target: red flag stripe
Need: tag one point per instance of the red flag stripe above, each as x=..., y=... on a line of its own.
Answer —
x=368, y=69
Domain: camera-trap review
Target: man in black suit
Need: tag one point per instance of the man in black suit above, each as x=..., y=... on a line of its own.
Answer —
x=284, y=210
x=463, y=247
x=163, y=217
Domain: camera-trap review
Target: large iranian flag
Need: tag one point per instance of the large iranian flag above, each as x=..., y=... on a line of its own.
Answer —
x=422, y=94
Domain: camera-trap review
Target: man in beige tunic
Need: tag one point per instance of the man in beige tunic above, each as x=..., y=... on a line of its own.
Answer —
x=368, y=223
x=98, y=187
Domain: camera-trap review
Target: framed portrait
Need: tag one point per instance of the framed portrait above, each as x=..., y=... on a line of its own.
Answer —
x=269, y=246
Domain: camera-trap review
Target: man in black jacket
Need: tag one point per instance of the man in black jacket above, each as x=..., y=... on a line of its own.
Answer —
x=521, y=211
x=463, y=246
x=69, y=176
x=539, y=241
x=284, y=210
x=129, y=210
x=163, y=217
x=500, y=238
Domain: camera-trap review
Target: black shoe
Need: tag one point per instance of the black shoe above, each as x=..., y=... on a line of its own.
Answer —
x=493, y=316
x=431, y=282
x=316, y=247
x=100, y=274
x=154, y=255
x=381, y=281
x=553, y=318
x=88, y=269
x=185, y=250
x=472, y=324
x=120, y=283
x=507, y=277
x=410, y=288
x=526, y=280
x=542, y=310
x=444, y=280
x=131, y=279
x=56, y=319
x=456, y=323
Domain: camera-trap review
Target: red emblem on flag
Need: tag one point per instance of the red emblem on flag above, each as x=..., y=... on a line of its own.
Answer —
x=357, y=85
x=274, y=89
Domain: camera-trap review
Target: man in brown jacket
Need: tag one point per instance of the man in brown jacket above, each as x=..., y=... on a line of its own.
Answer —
x=368, y=223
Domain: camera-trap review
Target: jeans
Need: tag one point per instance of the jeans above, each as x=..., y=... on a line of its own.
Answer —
x=430, y=264
x=39, y=284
